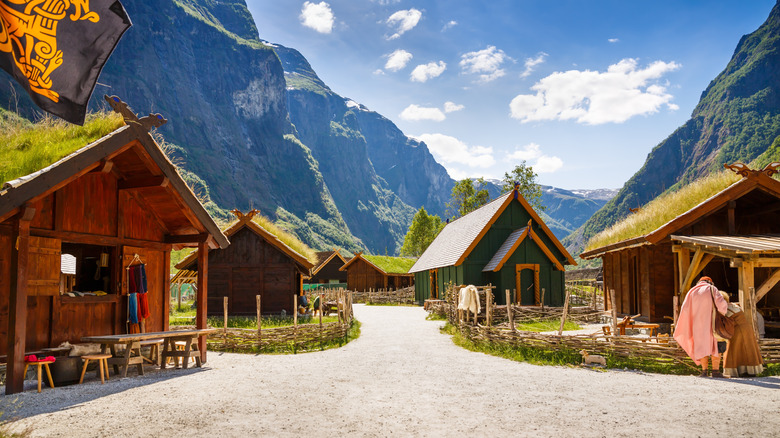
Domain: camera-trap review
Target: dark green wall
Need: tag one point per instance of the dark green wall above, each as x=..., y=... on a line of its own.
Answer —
x=470, y=271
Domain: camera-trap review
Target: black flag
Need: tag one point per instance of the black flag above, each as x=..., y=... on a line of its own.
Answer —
x=57, y=48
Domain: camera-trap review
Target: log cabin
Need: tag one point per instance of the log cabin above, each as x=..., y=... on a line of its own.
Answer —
x=116, y=201
x=732, y=236
x=366, y=272
x=504, y=243
x=327, y=268
x=257, y=262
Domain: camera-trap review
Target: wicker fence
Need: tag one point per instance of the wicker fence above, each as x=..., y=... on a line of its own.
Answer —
x=386, y=296
x=294, y=337
x=491, y=326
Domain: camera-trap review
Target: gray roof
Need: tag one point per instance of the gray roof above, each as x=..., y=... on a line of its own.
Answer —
x=505, y=248
x=455, y=239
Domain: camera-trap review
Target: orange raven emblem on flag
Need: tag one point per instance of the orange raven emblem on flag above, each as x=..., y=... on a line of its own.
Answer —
x=28, y=32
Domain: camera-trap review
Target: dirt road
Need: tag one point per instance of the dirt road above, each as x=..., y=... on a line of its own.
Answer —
x=400, y=378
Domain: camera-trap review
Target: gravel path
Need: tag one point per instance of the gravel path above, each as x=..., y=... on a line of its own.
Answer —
x=400, y=378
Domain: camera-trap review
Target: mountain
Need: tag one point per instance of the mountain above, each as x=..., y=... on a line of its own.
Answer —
x=247, y=133
x=737, y=119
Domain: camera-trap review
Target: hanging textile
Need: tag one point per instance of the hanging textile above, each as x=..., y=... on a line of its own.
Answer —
x=132, y=308
x=137, y=284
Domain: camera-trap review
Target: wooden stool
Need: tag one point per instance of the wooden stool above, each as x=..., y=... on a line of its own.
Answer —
x=102, y=365
x=154, y=350
x=39, y=363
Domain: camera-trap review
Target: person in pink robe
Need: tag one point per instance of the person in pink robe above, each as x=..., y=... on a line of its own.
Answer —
x=694, y=329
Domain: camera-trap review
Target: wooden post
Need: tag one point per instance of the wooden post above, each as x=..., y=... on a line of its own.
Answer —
x=178, y=306
x=614, y=312
x=17, y=324
x=565, y=311
x=295, y=322
x=509, y=311
x=201, y=321
x=541, y=302
x=225, y=312
x=167, y=289
x=593, y=286
x=676, y=305
x=752, y=304
x=488, y=309
x=322, y=298
x=517, y=298
x=259, y=322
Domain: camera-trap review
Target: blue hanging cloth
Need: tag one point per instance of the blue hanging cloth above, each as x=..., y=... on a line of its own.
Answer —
x=132, y=308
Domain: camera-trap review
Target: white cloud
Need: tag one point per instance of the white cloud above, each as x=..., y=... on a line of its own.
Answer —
x=449, y=25
x=532, y=154
x=403, y=21
x=379, y=72
x=317, y=16
x=593, y=97
x=414, y=112
x=423, y=72
x=486, y=63
x=450, y=107
x=531, y=63
x=547, y=164
x=613, y=40
x=398, y=60
x=450, y=150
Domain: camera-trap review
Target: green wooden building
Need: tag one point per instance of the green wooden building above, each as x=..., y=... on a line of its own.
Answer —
x=504, y=243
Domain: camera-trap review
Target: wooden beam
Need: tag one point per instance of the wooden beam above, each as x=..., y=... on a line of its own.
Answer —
x=17, y=309
x=105, y=166
x=683, y=263
x=167, y=290
x=186, y=238
x=746, y=283
x=732, y=222
x=693, y=267
x=202, y=297
x=93, y=239
x=767, y=263
x=142, y=182
x=703, y=264
x=767, y=285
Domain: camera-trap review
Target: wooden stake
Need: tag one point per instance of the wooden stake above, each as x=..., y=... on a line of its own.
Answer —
x=259, y=321
x=614, y=312
x=541, y=301
x=676, y=305
x=488, y=307
x=752, y=304
x=509, y=312
x=225, y=311
x=565, y=311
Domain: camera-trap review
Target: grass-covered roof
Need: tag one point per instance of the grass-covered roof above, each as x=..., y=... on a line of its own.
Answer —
x=29, y=147
x=391, y=265
x=287, y=238
x=663, y=209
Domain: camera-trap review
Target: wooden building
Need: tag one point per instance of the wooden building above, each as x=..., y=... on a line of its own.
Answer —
x=113, y=201
x=732, y=237
x=255, y=263
x=503, y=243
x=365, y=272
x=327, y=268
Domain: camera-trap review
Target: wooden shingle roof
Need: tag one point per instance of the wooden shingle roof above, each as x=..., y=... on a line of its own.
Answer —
x=455, y=242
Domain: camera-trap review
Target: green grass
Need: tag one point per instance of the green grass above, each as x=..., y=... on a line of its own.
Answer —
x=186, y=317
x=663, y=209
x=29, y=147
x=391, y=265
x=546, y=326
x=287, y=238
x=569, y=357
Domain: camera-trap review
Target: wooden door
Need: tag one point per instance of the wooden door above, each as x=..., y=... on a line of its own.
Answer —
x=527, y=277
x=44, y=266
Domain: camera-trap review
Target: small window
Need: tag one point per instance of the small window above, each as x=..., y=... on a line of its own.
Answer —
x=86, y=269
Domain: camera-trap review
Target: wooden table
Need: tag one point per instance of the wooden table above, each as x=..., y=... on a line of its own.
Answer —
x=132, y=343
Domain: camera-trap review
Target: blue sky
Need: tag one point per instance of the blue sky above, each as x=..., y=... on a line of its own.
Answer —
x=582, y=90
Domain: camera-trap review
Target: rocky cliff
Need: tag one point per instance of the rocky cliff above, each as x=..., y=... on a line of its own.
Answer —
x=737, y=119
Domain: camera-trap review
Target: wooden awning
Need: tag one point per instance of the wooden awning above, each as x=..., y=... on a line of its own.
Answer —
x=736, y=246
x=185, y=276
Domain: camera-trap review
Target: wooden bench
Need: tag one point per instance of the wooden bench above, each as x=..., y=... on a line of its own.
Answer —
x=132, y=343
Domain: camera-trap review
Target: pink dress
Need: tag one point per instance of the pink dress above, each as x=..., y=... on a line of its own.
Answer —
x=694, y=326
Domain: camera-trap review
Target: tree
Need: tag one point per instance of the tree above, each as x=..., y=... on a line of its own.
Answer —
x=422, y=231
x=467, y=196
x=525, y=177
